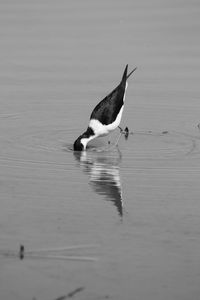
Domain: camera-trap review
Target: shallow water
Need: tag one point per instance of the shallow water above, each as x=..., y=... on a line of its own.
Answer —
x=137, y=206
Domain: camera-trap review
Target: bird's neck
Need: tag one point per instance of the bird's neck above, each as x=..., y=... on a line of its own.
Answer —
x=87, y=136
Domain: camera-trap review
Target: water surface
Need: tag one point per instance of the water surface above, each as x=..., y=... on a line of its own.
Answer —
x=136, y=205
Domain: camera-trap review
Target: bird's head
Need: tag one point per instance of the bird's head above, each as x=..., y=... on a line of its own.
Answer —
x=81, y=142
x=78, y=145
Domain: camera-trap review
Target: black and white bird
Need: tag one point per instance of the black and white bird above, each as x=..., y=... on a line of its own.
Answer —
x=106, y=116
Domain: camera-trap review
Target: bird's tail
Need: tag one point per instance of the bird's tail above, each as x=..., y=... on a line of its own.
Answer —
x=125, y=76
x=130, y=73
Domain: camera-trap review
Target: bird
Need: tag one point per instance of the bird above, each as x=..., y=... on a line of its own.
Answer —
x=106, y=115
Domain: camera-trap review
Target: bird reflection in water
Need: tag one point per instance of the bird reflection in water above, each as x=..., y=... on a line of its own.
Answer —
x=104, y=175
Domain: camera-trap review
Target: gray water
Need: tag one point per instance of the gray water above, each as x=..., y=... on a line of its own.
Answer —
x=137, y=208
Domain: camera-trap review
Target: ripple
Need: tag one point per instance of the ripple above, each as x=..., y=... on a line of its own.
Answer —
x=48, y=140
x=164, y=145
x=140, y=144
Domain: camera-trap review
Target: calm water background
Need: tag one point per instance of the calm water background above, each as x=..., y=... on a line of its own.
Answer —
x=140, y=207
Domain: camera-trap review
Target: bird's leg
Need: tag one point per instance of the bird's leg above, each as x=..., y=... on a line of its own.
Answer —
x=125, y=132
x=120, y=134
x=121, y=130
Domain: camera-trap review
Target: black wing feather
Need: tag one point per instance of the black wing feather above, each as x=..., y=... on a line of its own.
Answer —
x=107, y=110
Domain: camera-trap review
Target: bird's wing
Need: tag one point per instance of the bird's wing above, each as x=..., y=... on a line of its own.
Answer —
x=107, y=110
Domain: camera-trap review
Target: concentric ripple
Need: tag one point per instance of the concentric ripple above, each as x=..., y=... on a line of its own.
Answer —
x=48, y=140
x=163, y=145
x=140, y=144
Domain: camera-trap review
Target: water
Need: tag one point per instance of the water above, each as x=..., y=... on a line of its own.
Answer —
x=137, y=207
